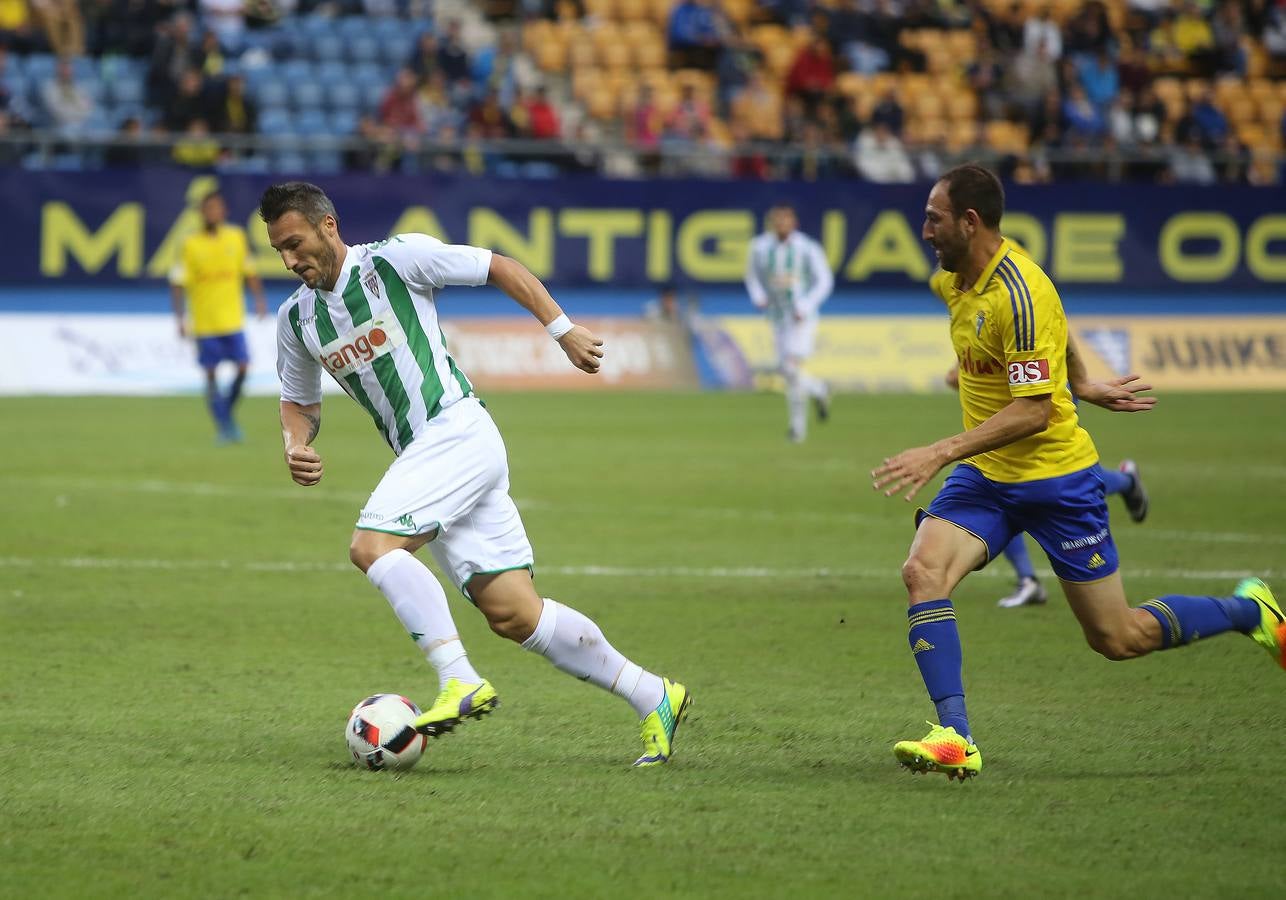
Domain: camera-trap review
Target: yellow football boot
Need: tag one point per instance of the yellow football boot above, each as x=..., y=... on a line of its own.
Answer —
x=1270, y=633
x=457, y=702
x=661, y=723
x=941, y=750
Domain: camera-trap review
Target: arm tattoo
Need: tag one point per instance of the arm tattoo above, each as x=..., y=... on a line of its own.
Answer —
x=314, y=425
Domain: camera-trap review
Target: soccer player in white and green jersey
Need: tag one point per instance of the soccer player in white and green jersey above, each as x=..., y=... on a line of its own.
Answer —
x=366, y=315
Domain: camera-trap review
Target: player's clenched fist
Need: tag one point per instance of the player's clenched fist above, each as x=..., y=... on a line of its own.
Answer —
x=305, y=465
x=582, y=348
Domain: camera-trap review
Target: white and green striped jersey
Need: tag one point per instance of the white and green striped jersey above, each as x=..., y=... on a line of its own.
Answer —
x=377, y=333
x=787, y=277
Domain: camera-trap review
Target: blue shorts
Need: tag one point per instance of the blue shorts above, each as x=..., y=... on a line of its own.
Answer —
x=210, y=351
x=1066, y=515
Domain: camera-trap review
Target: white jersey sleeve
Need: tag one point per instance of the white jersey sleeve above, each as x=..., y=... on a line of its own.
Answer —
x=821, y=280
x=754, y=286
x=300, y=374
x=426, y=262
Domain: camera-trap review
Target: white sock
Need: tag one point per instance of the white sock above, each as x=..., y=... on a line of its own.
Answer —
x=575, y=645
x=796, y=401
x=813, y=386
x=420, y=605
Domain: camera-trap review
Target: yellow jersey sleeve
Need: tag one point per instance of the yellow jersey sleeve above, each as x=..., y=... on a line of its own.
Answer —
x=1031, y=328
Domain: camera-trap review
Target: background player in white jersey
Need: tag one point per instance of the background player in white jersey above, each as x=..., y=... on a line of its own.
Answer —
x=366, y=314
x=788, y=277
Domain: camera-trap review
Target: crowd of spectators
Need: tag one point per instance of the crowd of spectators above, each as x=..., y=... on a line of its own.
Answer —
x=888, y=91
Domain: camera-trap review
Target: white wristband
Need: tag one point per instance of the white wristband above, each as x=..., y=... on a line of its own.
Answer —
x=559, y=327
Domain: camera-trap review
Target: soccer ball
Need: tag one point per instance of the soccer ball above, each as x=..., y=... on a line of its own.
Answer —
x=381, y=733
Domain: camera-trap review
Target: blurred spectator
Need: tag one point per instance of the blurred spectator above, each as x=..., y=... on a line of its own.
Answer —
x=539, y=118
x=236, y=113
x=812, y=74
x=424, y=58
x=1194, y=39
x=665, y=307
x=16, y=30
x=452, y=58
x=399, y=109
x=1031, y=77
x=1089, y=31
x=1099, y=77
x=884, y=30
x=512, y=71
x=1132, y=69
x=227, y=19
x=1082, y=119
x=1163, y=46
x=1228, y=27
x=433, y=103
x=584, y=158
x=737, y=62
x=11, y=151
x=1006, y=31
x=488, y=120
x=376, y=151
x=889, y=112
x=211, y=55
x=846, y=30
x=63, y=25
x=1233, y=161
x=65, y=102
x=881, y=158
x=196, y=149
x=1047, y=121
x=758, y=105
x=1149, y=115
x=1042, y=32
x=174, y=53
x=1190, y=164
x=812, y=160
x=644, y=125
x=985, y=76
x=748, y=161
x=689, y=121
x=190, y=102
x=1205, y=119
x=695, y=35
x=125, y=152
x=1275, y=33
x=128, y=26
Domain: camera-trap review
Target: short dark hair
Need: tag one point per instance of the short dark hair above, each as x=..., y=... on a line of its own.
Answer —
x=308, y=200
x=971, y=186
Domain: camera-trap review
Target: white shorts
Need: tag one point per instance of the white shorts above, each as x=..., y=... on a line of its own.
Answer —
x=795, y=338
x=454, y=477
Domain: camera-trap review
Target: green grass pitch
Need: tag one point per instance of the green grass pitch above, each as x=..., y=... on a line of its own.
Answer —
x=181, y=639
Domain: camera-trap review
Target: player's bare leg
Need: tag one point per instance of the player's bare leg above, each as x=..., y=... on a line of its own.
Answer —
x=420, y=604
x=577, y=646
x=1118, y=631
x=942, y=554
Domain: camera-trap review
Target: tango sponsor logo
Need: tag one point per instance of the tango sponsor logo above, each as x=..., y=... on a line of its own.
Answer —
x=362, y=346
x=1088, y=541
x=1033, y=371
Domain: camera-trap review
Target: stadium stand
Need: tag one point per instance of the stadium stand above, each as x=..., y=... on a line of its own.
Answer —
x=1100, y=90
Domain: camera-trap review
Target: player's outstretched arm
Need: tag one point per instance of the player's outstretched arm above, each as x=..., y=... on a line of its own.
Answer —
x=1117, y=394
x=579, y=343
x=912, y=469
x=299, y=427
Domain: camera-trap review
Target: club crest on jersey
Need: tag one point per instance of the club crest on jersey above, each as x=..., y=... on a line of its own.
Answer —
x=372, y=283
x=362, y=346
x=978, y=321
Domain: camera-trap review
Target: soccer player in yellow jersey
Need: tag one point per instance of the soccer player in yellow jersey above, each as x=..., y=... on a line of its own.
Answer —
x=214, y=263
x=1025, y=465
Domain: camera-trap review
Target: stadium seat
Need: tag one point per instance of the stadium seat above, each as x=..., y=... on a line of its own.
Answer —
x=373, y=96
x=366, y=74
x=271, y=94
x=344, y=96
x=387, y=29
x=39, y=67
x=315, y=26
x=312, y=122
x=289, y=162
x=297, y=71
x=275, y=122
x=333, y=72
x=343, y=121
x=327, y=47
x=365, y=49
x=326, y=162
x=307, y=95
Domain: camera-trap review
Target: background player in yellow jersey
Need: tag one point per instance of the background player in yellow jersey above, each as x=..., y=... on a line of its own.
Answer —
x=214, y=265
x=1026, y=465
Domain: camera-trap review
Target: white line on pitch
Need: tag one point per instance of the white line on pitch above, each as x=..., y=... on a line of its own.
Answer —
x=716, y=572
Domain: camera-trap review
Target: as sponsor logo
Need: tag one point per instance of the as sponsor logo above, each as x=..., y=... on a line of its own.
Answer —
x=362, y=346
x=1033, y=371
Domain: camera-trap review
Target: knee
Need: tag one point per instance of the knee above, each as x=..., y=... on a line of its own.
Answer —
x=1125, y=642
x=923, y=579
x=511, y=624
x=363, y=552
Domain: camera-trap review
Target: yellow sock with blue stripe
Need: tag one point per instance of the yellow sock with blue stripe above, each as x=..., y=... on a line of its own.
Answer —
x=935, y=643
x=1185, y=619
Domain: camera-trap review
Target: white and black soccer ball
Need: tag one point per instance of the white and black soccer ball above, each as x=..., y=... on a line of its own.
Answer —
x=381, y=733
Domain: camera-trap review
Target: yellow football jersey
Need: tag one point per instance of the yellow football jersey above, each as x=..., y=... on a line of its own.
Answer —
x=1009, y=332
x=212, y=270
